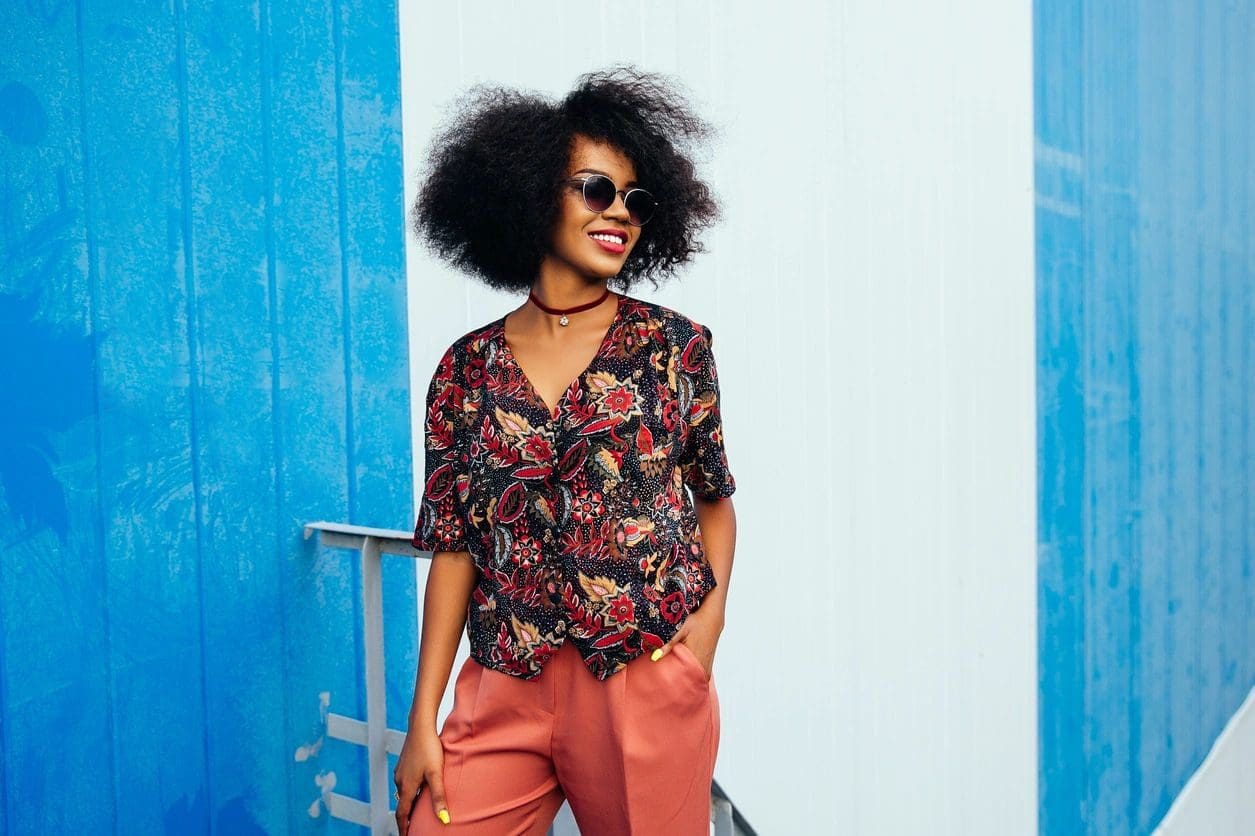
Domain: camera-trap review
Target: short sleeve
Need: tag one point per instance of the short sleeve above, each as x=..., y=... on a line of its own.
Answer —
x=441, y=524
x=704, y=461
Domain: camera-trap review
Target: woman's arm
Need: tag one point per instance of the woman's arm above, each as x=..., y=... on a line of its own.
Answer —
x=449, y=585
x=717, y=520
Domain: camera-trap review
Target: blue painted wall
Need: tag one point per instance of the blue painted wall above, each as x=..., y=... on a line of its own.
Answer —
x=202, y=347
x=1146, y=319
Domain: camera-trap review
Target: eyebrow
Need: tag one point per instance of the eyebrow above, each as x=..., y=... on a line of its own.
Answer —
x=599, y=171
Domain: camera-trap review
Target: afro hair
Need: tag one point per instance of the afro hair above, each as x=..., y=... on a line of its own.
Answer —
x=491, y=188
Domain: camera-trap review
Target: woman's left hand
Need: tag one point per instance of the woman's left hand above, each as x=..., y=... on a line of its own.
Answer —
x=700, y=631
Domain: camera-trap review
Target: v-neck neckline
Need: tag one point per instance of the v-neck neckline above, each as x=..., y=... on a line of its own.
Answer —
x=555, y=412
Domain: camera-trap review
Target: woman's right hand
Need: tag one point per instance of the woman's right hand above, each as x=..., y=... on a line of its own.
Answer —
x=420, y=764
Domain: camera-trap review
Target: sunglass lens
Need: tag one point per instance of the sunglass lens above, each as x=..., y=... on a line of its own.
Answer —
x=640, y=205
x=598, y=193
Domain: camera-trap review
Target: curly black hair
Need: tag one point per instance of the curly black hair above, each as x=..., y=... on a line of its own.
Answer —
x=491, y=190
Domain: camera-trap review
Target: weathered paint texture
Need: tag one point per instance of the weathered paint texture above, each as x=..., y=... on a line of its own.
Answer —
x=1146, y=408
x=202, y=346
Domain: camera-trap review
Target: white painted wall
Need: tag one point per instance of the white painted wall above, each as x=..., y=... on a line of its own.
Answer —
x=871, y=295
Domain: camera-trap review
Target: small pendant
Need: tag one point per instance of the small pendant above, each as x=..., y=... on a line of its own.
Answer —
x=563, y=321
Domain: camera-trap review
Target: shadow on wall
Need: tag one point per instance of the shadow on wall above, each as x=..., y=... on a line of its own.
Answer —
x=232, y=818
x=45, y=388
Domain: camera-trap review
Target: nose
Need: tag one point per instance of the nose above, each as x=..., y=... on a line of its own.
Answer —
x=617, y=208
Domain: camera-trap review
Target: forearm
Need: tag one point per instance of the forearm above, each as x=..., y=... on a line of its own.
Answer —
x=717, y=520
x=449, y=585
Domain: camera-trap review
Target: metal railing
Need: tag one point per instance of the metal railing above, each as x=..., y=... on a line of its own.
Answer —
x=376, y=813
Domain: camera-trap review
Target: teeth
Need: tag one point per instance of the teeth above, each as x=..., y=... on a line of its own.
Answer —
x=614, y=239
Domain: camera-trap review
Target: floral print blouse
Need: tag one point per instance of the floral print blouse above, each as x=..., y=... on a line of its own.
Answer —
x=577, y=518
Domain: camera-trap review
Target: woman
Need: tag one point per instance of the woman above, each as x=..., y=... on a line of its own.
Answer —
x=559, y=441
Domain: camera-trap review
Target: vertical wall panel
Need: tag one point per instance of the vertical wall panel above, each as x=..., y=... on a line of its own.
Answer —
x=201, y=308
x=226, y=183
x=1145, y=192
x=54, y=629
x=149, y=366
x=310, y=392
x=374, y=246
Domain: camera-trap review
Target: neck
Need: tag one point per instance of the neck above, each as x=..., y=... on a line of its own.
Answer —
x=559, y=288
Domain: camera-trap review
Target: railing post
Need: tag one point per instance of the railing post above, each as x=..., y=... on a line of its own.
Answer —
x=723, y=817
x=381, y=820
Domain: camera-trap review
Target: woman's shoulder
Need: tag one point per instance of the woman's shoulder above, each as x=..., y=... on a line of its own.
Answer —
x=678, y=327
x=473, y=342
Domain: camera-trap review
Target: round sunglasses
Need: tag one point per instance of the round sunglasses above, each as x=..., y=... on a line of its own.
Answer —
x=599, y=192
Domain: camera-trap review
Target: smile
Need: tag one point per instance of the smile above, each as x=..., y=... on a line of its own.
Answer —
x=609, y=241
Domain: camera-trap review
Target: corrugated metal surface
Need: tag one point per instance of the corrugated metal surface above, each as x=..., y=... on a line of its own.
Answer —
x=203, y=308
x=1146, y=311
x=871, y=297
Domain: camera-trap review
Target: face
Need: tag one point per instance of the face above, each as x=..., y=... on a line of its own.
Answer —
x=573, y=243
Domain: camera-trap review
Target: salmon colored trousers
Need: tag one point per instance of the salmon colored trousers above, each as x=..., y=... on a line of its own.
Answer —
x=634, y=754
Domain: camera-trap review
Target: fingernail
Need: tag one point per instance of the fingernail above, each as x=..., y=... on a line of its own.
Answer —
x=656, y=655
x=443, y=815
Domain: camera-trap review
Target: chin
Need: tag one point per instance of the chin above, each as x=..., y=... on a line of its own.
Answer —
x=592, y=267
x=601, y=270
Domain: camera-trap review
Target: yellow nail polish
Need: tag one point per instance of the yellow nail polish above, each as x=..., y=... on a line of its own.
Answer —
x=656, y=655
x=443, y=815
